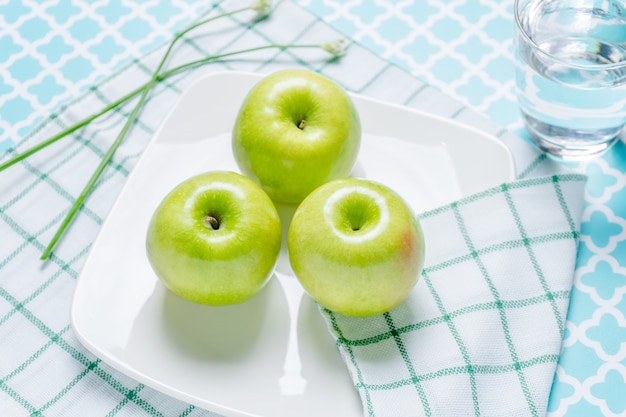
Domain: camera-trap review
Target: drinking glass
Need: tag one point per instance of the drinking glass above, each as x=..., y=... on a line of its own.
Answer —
x=571, y=74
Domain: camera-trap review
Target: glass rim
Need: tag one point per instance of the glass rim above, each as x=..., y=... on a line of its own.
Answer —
x=529, y=40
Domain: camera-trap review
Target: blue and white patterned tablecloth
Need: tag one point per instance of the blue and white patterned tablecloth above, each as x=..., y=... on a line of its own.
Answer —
x=50, y=51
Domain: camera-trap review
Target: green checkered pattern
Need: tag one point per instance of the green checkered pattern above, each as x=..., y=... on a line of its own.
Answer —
x=45, y=371
x=480, y=335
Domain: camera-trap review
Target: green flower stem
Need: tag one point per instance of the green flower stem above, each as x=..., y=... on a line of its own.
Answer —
x=131, y=95
x=94, y=178
x=145, y=89
x=70, y=129
x=211, y=58
x=129, y=122
x=113, y=105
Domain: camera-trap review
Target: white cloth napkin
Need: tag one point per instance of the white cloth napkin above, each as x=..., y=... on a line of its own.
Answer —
x=480, y=334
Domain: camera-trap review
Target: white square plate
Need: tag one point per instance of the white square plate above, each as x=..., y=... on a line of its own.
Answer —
x=272, y=355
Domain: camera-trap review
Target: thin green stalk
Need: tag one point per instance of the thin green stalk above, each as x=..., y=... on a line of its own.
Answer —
x=113, y=105
x=171, y=72
x=94, y=178
x=129, y=122
x=69, y=130
x=132, y=94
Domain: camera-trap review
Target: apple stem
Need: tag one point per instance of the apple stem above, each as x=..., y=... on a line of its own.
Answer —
x=212, y=222
x=302, y=124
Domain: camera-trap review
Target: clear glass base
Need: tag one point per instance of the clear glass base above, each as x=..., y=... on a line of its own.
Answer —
x=570, y=144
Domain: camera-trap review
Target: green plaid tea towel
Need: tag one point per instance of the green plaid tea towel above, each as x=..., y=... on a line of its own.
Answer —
x=481, y=333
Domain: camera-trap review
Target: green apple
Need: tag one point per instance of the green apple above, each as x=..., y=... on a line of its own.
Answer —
x=215, y=238
x=296, y=130
x=356, y=247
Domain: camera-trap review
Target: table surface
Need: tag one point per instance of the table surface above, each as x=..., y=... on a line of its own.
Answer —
x=51, y=52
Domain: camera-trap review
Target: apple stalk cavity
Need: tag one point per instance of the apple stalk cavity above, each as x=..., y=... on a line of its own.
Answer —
x=212, y=222
x=356, y=247
x=215, y=238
